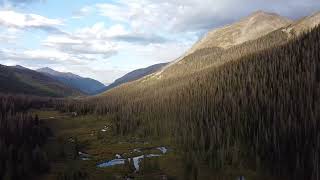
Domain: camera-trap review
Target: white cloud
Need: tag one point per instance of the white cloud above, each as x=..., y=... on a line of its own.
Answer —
x=99, y=31
x=147, y=55
x=93, y=40
x=82, y=12
x=195, y=15
x=142, y=32
x=78, y=45
x=151, y=15
x=12, y=19
x=51, y=55
x=9, y=36
x=43, y=56
x=99, y=40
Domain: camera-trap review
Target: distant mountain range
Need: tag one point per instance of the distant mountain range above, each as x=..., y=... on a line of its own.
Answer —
x=132, y=76
x=20, y=80
x=90, y=86
x=48, y=82
x=259, y=31
x=86, y=85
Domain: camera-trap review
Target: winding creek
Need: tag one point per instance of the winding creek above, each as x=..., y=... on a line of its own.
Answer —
x=136, y=159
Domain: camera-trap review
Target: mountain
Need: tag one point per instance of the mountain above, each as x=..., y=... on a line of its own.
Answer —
x=256, y=103
x=257, y=32
x=86, y=85
x=252, y=27
x=303, y=25
x=20, y=67
x=20, y=80
x=134, y=75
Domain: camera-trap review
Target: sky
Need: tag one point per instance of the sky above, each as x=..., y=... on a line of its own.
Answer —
x=105, y=39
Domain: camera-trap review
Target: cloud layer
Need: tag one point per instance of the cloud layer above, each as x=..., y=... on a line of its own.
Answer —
x=12, y=19
x=9, y=3
x=195, y=15
x=118, y=36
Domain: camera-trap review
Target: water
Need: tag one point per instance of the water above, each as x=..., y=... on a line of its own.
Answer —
x=105, y=129
x=112, y=163
x=136, y=160
x=164, y=150
x=137, y=150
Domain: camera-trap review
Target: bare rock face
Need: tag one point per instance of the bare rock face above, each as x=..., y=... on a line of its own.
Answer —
x=257, y=25
x=250, y=28
x=303, y=25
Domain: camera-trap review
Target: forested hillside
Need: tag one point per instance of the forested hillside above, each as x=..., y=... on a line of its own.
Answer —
x=134, y=75
x=259, y=111
x=22, y=136
x=86, y=85
x=15, y=80
x=230, y=90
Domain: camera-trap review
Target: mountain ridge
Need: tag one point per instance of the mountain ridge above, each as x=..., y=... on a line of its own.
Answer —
x=86, y=85
x=21, y=80
x=133, y=75
x=303, y=25
x=249, y=28
x=236, y=33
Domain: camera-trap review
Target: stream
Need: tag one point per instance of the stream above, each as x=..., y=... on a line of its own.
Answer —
x=136, y=160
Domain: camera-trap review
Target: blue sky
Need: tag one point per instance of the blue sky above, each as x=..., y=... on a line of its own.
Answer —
x=104, y=39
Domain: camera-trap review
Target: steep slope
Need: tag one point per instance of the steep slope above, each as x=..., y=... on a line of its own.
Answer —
x=254, y=105
x=250, y=28
x=20, y=67
x=303, y=25
x=260, y=110
x=134, y=75
x=86, y=85
x=255, y=33
x=197, y=59
x=20, y=80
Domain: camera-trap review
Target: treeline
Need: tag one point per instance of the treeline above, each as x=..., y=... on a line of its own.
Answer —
x=22, y=136
x=260, y=112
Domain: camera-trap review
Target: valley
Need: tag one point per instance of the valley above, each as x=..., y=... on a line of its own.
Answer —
x=97, y=149
x=242, y=103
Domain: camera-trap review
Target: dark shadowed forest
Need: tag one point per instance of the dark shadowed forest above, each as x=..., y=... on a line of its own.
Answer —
x=242, y=103
x=22, y=136
x=260, y=112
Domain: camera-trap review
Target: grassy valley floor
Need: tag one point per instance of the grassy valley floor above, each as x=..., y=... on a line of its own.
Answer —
x=80, y=143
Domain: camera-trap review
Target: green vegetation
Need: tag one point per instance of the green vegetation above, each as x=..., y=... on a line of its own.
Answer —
x=214, y=57
x=22, y=137
x=259, y=112
x=252, y=110
x=86, y=85
x=102, y=146
x=24, y=81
